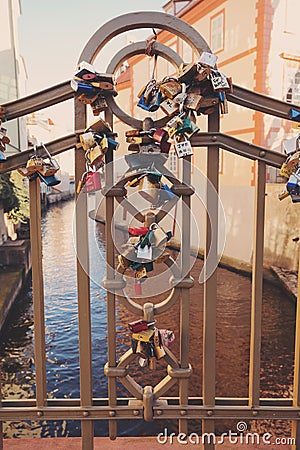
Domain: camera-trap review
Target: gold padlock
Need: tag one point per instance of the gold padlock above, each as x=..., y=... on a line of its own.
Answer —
x=170, y=88
x=143, y=336
x=95, y=155
x=285, y=171
x=141, y=273
x=283, y=195
x=187, y=72
x=104, y=145
x=193, y=101
x=158, y=348
x=134, y=139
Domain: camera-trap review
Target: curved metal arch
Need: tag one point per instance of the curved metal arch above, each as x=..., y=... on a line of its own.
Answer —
x=144, y=19
x=138, y=48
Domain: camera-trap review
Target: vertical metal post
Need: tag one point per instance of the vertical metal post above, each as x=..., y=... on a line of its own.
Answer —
x=296, y=389
x=185, y=293
x=257, y=284
x=38, y=292
x=110, y=296
x=83, y=290
x=210, y=283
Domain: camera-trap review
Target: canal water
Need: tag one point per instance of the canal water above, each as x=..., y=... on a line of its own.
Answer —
x=233, y=333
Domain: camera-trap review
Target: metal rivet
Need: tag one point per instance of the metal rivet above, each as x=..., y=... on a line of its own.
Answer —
x=159, y=412
x=183, y=412
x=85, y=413
x=254, y=413
x=214, y=138
x=209, y=413
x=39, y=413
x=112, y=413
x=136, y=412
x=262, y=153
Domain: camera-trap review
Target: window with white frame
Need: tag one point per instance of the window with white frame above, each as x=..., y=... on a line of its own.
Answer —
x=293, y=86
x=173, y=161
x=217, y=32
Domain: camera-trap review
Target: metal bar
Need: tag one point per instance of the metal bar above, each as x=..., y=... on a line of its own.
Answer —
x=185, y=293
x=259, y=102
x=38, y=291
x=257, y=284
x=173, y=411
x=239, y=147
x=210, y=282
x=43, y=99
x=83, y=290
x=296, y=387
x=54, y=148
x=110, y=296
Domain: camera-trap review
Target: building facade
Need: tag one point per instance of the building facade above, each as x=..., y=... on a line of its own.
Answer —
x=258, y=45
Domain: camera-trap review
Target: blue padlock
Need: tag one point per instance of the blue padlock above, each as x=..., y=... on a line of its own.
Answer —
x=292, y=186
x=49, y=181
x=2, y=156
x=84, y=88
x=112, y=144
x=165, y=194
x=294, y=115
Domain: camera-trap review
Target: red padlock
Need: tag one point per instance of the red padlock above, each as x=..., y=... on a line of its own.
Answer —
x=161, y=137
x=138, y=231
x=92, y=182
x=138, y=288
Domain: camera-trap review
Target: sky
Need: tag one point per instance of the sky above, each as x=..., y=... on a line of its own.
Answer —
x=53, y=33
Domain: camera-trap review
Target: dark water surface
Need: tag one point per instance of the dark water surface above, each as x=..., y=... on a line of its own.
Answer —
x=233, y=332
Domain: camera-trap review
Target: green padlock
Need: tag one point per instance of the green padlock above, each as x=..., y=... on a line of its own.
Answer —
x=188, y=127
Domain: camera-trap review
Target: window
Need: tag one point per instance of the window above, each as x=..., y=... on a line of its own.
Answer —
x=293, y=87
x=217, y=32
x=173, y=161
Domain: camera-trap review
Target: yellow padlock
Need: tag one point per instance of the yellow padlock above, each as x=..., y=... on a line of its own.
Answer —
x=87, y=140
x=143, y=336
x=286, y=171
x=95, y=155
x=104, y=145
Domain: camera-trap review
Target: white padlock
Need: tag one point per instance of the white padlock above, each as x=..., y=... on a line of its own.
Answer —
x=183, y=147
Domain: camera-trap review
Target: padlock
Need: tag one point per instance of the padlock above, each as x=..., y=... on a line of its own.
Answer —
x=188, y=127
x=95, y=155
x=142, y=91
x=285, y=171
x=148, y=190
x=193, y=101
x=3, y=137
x=141, y=349
x=150, y=148
x=134, y=139
x=170, y=87
x=142, y=104
x=167, y=337
x=99, y=105
x=187, y=72
x=85, y=89
x=100, y=127
x=157, y=344
x=143, y=336
x=295, y=198
x=144, y=253
x=182, y=145
x=140, y=325
x=141, y=273
x=34, y=164
x=138, y=231
x=219, y=81
x=159, y=237
x=86, y=100
x=3, y=158
x=202, y=73
x=293, y=185
x=132, y=133
x=92, y=182
x=133, y=148
x=112, y=143
x=223, y=102
x=293, y=161
x=208, y=59
x=155, y=101
x=161, y=137
x=169, y=107
x=87, y=140
x=51, y=180
x=283, y=195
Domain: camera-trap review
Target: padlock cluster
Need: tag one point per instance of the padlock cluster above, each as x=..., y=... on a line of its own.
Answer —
x=4, y=139
x=92, y=87
x=197, y=87
x=149, y=342
x=96, y=143
x=145, y=246
x=43, y=168
x=151, y=188
x=290, y=169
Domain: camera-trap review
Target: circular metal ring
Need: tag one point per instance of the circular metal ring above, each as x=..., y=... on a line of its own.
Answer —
x=138, y=48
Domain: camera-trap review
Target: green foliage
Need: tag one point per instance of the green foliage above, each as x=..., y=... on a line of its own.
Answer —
x=14, y=197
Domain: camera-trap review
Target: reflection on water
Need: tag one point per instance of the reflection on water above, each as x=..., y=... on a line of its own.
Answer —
x=233, y=331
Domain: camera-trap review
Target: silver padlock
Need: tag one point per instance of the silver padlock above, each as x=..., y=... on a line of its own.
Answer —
x=169, y=107
x=182, y=145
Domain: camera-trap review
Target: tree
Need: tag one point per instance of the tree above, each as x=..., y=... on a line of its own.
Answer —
x=14, y=197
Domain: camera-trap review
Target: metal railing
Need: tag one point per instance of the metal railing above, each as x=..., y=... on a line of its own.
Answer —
x=152, y=403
